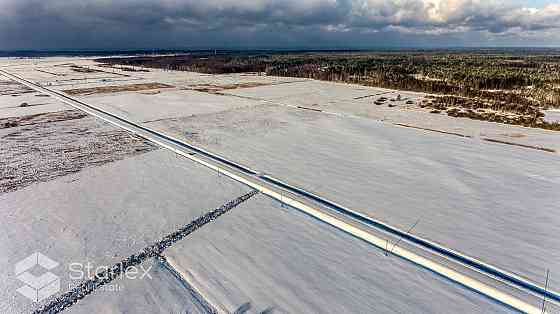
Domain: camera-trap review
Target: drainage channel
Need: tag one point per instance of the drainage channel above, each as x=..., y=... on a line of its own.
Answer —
x=265, y=184
x=153, y=251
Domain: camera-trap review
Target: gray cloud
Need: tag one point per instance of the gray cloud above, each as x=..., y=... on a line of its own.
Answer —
x=53, y=24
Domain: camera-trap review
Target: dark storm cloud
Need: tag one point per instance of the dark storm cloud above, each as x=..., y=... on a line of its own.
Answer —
x=268, y=23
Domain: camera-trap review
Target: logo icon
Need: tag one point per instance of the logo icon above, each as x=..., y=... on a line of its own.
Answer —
x=37, y=288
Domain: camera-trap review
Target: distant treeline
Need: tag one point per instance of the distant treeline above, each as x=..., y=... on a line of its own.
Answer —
x=513, y=78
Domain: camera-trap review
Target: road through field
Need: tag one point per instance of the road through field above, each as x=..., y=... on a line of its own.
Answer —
x=245, y=176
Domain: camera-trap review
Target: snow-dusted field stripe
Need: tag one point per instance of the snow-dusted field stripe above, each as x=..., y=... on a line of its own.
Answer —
x=248, y=177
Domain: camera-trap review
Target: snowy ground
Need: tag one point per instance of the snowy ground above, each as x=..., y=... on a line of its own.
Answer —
x=357, y=101
x=159, y=293
x=464, y=192
x=279, y=259
x=45, y=146
x=103, y=214
x=345, y=99
x=552, y=116
x=143, y=107
x=114, y=216
x=491, y=201
x=16, y=100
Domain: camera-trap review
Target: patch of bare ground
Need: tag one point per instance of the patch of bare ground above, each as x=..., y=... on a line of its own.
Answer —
x=81, y=69
x=41, y=118
x=52, y=145
x=8, y=87
x=116, y=89
x=212, y=88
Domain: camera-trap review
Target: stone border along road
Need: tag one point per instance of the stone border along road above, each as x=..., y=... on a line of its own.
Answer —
x=252, y=179
x=153, y=251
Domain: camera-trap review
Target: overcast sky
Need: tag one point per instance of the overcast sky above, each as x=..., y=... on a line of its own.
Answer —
x=107, y=24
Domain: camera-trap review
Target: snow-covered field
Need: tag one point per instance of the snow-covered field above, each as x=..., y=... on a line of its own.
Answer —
x=165, y=105
x=492, y=201
x=16, y=101
x=103, y=214
x=279, y=259
x=159, y=293
x=128, y=204
x=552, y=115
x=472, y=196
x=353, y=101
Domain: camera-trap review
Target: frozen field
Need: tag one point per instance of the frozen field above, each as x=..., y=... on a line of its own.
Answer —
x=128, y=204
x=477, y=198
x=159, y=293
x=358, y=101
x=280, y=260
x=103, y=214
x=494, y=202
x=271, y=257
x=473, y=128
x=552, y=115
x=143, y=107
x=316, y=93
x=16, y=100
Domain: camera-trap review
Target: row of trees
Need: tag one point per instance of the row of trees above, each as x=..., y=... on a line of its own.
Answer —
x=497, y=77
